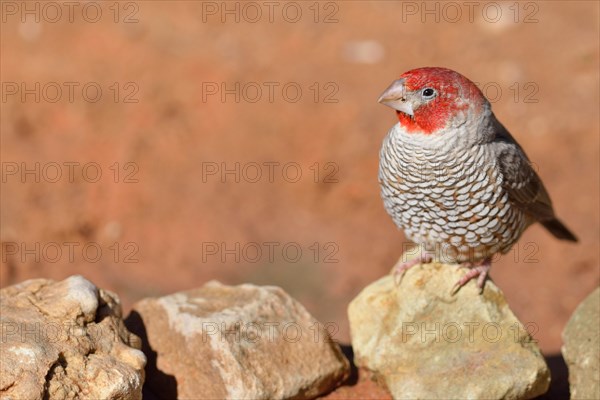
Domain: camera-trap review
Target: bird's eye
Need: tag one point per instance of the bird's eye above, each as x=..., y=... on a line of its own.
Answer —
x=428, y=93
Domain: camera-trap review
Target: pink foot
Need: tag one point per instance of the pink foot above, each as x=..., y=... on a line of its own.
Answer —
x=479, y=270
x=401, y=268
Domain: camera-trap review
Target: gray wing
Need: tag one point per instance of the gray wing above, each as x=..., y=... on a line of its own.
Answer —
x=520, y=181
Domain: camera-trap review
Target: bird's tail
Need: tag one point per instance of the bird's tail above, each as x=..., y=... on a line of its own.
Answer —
x=559, y=230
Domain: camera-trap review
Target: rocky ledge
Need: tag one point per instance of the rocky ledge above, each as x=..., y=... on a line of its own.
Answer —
x=66, y=340
x=423, y=342
x=581, y=348
x=236, y=342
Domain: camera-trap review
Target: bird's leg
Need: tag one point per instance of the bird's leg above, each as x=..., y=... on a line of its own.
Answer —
x=479, y=270
x=402, y=266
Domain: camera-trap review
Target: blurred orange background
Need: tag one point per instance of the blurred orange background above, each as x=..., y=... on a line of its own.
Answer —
x=239, y=141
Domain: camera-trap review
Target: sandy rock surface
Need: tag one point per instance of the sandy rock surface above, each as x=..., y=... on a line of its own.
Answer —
x=236, y=342
x=581, y=348
x=65, y=340
x=423, y=342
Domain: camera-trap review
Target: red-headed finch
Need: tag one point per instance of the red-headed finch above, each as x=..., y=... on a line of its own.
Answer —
x=453, y=178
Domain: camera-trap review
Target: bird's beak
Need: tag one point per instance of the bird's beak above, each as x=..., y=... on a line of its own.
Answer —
x=394, y=96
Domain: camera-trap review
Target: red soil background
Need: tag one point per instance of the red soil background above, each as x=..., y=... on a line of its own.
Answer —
x=154, y=215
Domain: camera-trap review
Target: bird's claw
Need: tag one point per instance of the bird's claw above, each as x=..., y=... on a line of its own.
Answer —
x=401, y=267
x=480, y=271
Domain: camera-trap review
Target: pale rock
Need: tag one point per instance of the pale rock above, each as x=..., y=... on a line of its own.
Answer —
x=65, y=340
x=422, y=342
x=236, y=342
x=581, y=348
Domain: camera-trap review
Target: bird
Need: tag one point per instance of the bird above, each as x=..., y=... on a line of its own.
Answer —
x=453, y=178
